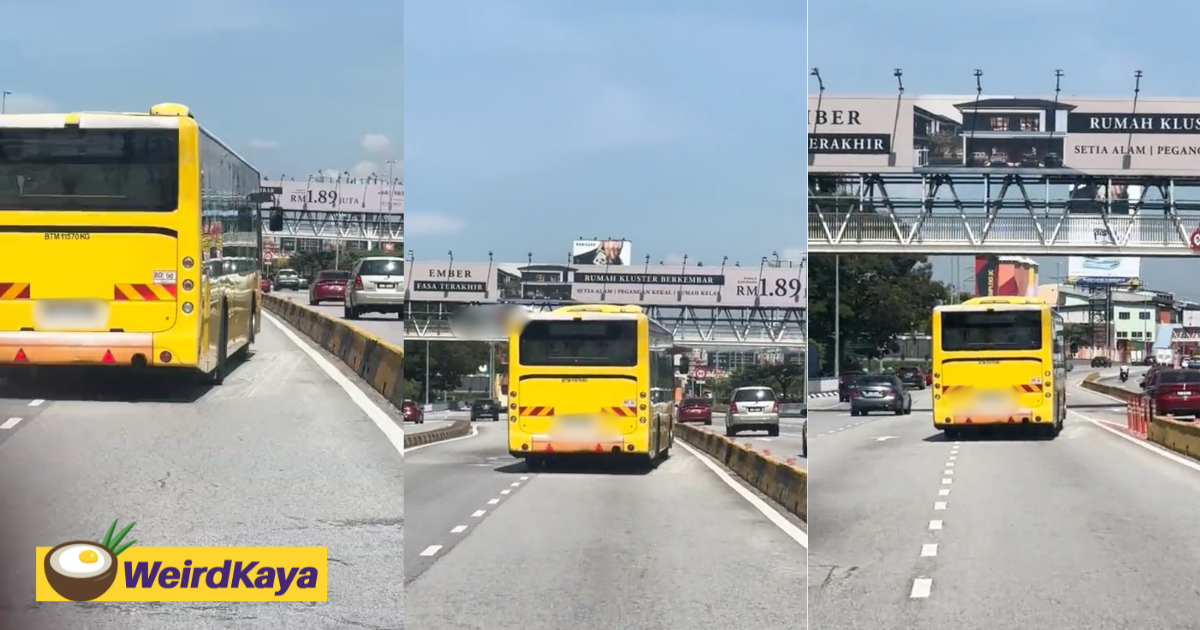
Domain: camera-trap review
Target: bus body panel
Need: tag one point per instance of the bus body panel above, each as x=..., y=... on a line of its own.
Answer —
x=128, y=261
x=994, y=391
x=614, y=402
x=993, y=385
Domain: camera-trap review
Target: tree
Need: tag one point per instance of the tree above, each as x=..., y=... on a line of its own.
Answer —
x=881, y=297
x=449, y=361
x=787, y=379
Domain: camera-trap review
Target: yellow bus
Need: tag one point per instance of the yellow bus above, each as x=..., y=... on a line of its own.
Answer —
x=128, y=240
x=590, y=379
x=999, y=362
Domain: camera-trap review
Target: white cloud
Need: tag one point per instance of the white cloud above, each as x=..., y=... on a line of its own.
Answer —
x=263, y=145
x=366, y=168
x=27, y=104
x=376, y=144
x=422, y=223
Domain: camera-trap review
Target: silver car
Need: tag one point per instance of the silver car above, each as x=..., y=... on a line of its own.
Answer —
x=376, y=286
x=752, y=409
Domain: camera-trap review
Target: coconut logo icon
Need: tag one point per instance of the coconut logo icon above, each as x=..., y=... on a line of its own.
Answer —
x=81, y=570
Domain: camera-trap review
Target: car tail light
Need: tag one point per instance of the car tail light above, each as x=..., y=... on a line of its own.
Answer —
x=775, y=407
x=358, y=282
x=733, y=408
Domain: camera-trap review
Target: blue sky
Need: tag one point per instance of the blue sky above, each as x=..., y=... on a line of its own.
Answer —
x=675, y=124
x=1097, y=43
x=296, y=87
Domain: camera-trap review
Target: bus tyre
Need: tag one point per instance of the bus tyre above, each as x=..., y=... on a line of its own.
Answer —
x=255, y=322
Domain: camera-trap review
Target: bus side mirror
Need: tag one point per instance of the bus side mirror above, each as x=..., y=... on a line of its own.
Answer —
x=275, y=223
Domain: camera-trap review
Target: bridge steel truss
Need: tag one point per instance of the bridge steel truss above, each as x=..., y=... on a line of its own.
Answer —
x=693, y=326
x=341, y=226
x=1002, y=212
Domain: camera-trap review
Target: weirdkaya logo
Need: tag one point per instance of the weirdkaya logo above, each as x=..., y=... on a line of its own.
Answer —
x=87, y=571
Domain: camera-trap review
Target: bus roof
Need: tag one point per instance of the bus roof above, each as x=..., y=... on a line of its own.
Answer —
x=160, y=116
x=996, y=303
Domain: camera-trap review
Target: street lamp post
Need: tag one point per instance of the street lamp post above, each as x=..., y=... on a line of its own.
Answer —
x=4, y=101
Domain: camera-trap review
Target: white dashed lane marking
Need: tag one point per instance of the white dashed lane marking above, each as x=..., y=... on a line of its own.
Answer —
x=10, y=423
x=923, y=586
x=432, y=550
x=36, y=403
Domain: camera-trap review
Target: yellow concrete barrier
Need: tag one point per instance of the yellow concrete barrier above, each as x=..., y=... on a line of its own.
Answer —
x=782, y=482
x=378, y=362
x=1092, y=383
x=458, y=429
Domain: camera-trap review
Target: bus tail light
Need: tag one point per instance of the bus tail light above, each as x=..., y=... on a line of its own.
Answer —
x=187, y=308
x=108, y=357
x=358, y=283
x=164, y=357
x=21, y=358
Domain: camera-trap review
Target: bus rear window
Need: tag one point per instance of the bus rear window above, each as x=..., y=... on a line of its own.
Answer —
x=991, y=330
x=131, y=170
x=570, y=343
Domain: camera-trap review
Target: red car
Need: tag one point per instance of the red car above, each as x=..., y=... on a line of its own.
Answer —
x=330, y=285
x=413, y=413
x=265, y=285
x=1173, y=392
x=695, y=410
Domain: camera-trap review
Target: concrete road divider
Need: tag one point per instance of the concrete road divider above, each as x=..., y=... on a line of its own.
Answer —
x=783, y=483
x=378, y=362
x=460, y=428
x=1092, y=382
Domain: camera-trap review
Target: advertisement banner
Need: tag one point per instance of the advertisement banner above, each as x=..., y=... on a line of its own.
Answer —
x=667, y=285
x=1007, y=276
x=353, y=195
x=604, y=252
x=451, y=282
x=1191, y=319
x=1077, y=135
x=1103, y=269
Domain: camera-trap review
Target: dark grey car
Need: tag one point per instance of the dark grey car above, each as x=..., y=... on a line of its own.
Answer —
x=880, y=393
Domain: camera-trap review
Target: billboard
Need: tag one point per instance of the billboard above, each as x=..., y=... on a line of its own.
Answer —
x=1103, y=269
x=1005, y=276
x=602, y=252
x=354, y=195
x=649, y=285
x=1191, y=318
x=1078, y=135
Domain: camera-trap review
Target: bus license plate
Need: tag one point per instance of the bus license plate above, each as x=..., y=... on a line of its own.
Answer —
x=69, y=314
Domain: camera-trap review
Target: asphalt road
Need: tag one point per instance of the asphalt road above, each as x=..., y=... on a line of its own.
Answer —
x=1093, y=530
x=280, y=455
x=386, y=327
x=493, y=546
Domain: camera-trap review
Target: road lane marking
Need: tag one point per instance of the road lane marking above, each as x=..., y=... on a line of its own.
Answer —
x=944, y=492
x=386, y=425
x=947, y=482
x=431, y=550
x=921, y=588
x=37, y=402
x=935, y=525
x=773, y=515
x=928, y=551
x=1149, y=446
x=506, y=491
x=493, y=501
x=478, y=513
x=458, y=529
x=10, y=423
x=940, y=505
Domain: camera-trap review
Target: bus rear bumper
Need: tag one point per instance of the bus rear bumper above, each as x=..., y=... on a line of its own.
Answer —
x=76, y=348
x=542, y=445
x=1027, y=416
